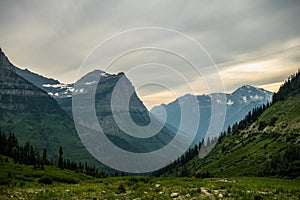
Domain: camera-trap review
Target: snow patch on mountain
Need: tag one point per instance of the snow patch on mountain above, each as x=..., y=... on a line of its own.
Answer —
x=230, y=102
x=60, y=85
x=256, y=97
x=104, y=74
x=90, y=83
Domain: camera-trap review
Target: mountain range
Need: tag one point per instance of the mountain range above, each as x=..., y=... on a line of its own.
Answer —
x=265, y=143
x=238, y=104
x=39, y=109
x=28, y=109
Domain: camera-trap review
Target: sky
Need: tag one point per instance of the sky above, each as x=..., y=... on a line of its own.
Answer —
x=248, y=42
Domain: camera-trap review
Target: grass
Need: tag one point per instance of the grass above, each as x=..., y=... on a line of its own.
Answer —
x=246, y=153
x=22, y=182
x=159, y=188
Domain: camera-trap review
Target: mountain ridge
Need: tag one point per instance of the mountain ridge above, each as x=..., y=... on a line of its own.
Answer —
x=268, y=146
x=238, y=104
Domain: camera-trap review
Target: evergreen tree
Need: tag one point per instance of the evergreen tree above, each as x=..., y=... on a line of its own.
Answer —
x=60, y=158
x=44, y=156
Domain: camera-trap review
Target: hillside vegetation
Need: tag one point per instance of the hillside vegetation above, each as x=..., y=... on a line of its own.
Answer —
x=18, y=181
x=269, y=146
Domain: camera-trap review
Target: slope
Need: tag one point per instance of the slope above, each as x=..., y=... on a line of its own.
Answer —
x=53, y=87
x=34, y=116
x=138, y=112
x=268, y=147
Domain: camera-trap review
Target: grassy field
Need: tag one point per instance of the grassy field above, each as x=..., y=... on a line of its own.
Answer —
x=24, y=182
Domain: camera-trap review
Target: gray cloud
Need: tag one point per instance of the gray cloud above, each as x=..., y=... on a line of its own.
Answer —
x=54, y=37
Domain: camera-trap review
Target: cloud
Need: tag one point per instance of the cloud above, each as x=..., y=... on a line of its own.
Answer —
x=53, y=37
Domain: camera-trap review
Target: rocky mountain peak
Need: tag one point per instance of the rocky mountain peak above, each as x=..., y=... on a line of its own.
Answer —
x=13, y=88
x=4, y=62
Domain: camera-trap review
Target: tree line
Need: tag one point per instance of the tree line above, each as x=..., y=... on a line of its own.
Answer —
x=28, y=155
x=183, y=159
x=191, y=153
x=250, y=118
x=289, y=88
x=278, y=164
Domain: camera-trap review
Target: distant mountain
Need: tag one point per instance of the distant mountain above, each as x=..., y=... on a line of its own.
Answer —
x=138, y=112
x=36, y=79
x=53, y=87
x=34, y=116
x=267, y=146
x=238, y=104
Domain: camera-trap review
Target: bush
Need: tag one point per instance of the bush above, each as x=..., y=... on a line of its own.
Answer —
x=262, y=125
x=66, y=179
x=121, y=189
x=203, y=175
x=45, y=180
x=257, y=197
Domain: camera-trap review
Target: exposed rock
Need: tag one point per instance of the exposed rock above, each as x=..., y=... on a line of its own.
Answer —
x=174, y=195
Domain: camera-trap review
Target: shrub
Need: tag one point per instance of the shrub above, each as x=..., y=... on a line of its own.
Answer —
x=262, y=125
x=121, y=189
x=45, y=180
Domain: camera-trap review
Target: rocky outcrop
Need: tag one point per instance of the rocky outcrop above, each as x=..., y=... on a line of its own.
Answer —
x=4, y=62
x=13, y=88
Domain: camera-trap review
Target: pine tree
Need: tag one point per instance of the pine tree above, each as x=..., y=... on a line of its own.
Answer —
x=44, y=156
x=60, y=158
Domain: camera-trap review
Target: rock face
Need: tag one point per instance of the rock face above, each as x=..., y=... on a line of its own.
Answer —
x=53, y=87
x=14, y=90
x=4, y=62
x=104, y=85
x=174, y=195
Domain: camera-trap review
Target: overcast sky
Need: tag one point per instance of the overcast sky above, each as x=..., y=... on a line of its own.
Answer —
x=251, y=42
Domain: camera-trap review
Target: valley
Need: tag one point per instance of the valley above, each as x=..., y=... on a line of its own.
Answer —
x=255, y=158
x=134, y=100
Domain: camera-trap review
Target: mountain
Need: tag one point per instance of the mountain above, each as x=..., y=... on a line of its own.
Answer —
x=34, y=116
x=53, y=87
x=63, y=95
x=136, y=109
x=49, y=125
x=267, y=146
x=238, y=104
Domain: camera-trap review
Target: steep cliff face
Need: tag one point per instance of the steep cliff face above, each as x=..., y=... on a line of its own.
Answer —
x=104, y=85
x=14, y=90
x=103, y=101
x=4, y=62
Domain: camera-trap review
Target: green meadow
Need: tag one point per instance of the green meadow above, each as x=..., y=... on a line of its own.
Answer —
x=24, y=182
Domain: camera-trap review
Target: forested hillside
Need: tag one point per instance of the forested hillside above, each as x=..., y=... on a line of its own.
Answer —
x=265, y=143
